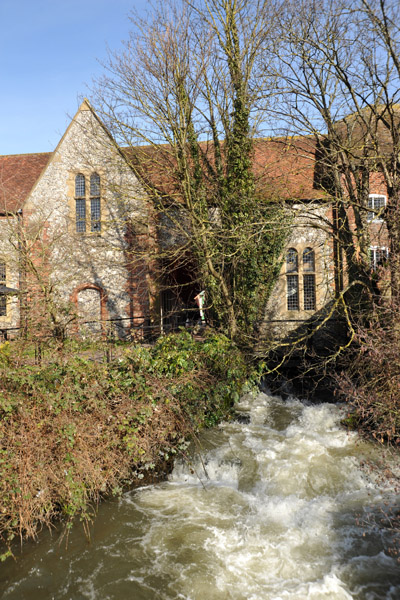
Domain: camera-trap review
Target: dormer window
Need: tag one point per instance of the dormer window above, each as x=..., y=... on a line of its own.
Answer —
x=83, y=195
x=376, y=206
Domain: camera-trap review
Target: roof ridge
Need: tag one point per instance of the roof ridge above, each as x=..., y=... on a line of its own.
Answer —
x=26, y=154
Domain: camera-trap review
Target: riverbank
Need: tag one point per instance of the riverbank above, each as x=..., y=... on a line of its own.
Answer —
x=276, y=505
x=76, y=430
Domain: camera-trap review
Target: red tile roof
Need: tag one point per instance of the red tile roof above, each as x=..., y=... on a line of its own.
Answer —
x=284, y=167
x=18, y=175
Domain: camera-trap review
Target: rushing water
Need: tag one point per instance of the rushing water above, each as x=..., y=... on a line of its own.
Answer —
x=277, y=508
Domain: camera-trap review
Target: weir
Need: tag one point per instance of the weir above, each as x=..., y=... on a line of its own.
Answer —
x=277, y=507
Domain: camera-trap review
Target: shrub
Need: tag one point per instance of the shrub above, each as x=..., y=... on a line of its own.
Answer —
x=370, y=379
x=74, y=430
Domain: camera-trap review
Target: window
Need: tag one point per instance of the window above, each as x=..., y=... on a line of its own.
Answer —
x=292, y=280
x=95, y=214
x=81, y=199
x=292, y=261
x=3, y=280
x=293, y=292
x=376, y=206
x=308, y=260
x=296, y=273
x=80, y=203
x=80, y=186
x=378, y=256
x=309, y=279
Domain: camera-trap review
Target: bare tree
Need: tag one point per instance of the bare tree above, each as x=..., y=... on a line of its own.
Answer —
x=184, y=98
x=340, y=83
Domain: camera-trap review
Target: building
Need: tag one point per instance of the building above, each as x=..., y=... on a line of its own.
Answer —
x=78, y=238
x=67, y=244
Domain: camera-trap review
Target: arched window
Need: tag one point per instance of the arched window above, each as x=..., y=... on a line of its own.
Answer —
x=309, y=260
x=80, y=187
x=80, y=203
x=292, y=261
x=95, y=207
x=292, y=279
x=95, y=184
x=309, y=279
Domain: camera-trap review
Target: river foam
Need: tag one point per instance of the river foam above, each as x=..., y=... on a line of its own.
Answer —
x=277, y=508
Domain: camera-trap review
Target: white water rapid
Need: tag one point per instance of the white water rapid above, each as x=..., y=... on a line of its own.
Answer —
x=278, y=508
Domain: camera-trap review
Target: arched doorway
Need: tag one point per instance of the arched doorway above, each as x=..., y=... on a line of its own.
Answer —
x=90, y=301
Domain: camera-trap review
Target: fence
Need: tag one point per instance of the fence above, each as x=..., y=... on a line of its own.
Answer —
x=121, y=328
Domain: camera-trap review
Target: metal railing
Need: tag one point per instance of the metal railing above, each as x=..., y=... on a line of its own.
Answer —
x=118, y=328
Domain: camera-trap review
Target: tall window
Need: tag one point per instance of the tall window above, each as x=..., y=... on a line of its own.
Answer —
x=80, y=203
x=84, y=195
x=309, y=279
x=292, y=279
x=300, y=269
x=376, y=206
x=3, y=280
x=95, y=214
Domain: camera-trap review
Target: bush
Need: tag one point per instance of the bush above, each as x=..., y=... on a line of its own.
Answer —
x=370, y=379
x=75, y=430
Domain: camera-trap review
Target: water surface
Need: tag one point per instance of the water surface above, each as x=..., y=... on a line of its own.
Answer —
x=278, y=508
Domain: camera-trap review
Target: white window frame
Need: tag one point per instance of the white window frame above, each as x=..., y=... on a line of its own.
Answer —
x=372, y=253
x=371, y=213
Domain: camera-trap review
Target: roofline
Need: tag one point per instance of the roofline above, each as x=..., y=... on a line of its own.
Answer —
x=84, y=106
x=25, y=154
x=117, y=147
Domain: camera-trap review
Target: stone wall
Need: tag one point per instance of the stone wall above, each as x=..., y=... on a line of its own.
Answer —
x=9, y=254
x=68, y=262
x=309, y=229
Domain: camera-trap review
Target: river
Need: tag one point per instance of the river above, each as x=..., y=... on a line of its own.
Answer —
x=278, y=507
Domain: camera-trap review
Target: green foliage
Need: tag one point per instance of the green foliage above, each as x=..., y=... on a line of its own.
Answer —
x=5, y=353
x=82, y=429
x=237, y=235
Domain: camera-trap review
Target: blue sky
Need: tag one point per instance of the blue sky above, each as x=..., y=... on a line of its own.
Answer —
x=49, y=53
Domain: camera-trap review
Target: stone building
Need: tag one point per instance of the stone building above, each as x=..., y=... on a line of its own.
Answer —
x=77, y=237
x=74, y=251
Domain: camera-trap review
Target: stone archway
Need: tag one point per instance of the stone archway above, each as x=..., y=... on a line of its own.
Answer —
x=90, y=302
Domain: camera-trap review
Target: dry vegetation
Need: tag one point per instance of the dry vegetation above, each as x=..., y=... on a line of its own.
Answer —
x=76, y=430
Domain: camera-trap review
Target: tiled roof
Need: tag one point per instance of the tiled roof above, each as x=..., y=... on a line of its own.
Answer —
x=369, y=132
x=18, y=175
x=284, y=167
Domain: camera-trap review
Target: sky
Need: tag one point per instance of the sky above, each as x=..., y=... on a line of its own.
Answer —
x=50, y=50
